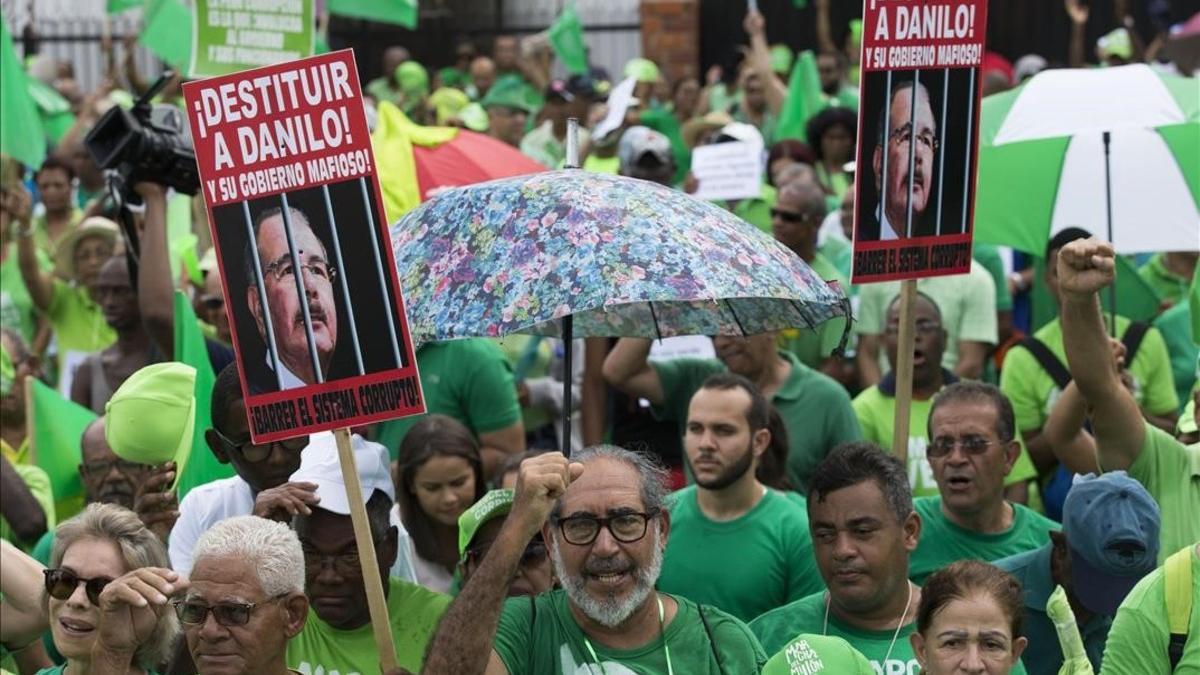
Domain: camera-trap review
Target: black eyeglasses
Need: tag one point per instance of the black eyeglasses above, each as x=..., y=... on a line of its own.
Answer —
x=624, y=527
x=789, y=217
x=942, y=446
x=227, y=614
x=94, y=470
x=257, y=453
x=345, y=564
x=533, y=554
x=61, y=584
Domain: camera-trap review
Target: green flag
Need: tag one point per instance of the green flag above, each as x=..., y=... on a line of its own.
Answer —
x=21, y=135
x=1136, y=301
x=400, y=12
x=566, y=37
x=55, y=427
x=167, y=31
x=200, y=466
x=804, y=98
x=55, y=110
x=118, y=6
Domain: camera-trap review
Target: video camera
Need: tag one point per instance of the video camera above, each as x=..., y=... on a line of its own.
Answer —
x=150, y=142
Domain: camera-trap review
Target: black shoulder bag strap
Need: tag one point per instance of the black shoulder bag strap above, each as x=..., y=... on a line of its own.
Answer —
x=1048, y=361
x=1132, y=339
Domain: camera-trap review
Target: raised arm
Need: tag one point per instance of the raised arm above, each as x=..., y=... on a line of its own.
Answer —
x=1078, y=13
x=18, y=203
x=593, y=392
x=759, y=56
x=627, y=368
x=18, y=506
x=824, y=28
x=463, y=642
x=1064, y=435
x=23, y=612
x=155, y=289
x=1085, y=267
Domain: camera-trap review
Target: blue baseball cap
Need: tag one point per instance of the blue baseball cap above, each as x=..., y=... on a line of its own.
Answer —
x=1111, y=523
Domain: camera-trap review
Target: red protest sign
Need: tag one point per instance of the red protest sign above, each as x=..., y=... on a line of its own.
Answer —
x=918, y=136
x=314, y=303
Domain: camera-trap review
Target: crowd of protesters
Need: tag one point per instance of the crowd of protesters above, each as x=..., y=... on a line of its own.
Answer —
x=736, y=509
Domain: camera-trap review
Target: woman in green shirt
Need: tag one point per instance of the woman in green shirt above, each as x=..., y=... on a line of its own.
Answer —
x=92, y=549
x=969, y=620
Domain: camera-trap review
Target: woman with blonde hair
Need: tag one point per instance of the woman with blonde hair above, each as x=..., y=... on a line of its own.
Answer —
x=90, y=551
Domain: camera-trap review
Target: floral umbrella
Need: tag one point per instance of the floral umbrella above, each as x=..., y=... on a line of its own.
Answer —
x=623, y=257
x=578, y=254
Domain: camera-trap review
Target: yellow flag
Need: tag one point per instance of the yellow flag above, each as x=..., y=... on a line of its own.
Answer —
x=393, y=141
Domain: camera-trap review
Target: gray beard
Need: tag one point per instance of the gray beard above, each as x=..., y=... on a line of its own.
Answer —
x=610, y=611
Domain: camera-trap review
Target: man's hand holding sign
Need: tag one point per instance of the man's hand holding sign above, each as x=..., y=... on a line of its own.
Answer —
x=289, y=180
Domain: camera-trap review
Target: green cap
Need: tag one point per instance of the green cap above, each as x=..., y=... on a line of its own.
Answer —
x=642, y=70
x=1116, y=43
x=150, y=418
x=509, y=95
x=453, y=77
x=781, y=59
x=447, y=101
x=413, y=79
x=474, y=117
x=813, y=654
x=495, y=503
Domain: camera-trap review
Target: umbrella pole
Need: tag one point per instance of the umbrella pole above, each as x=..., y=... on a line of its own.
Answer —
x=1112, y=288
x=568, y=331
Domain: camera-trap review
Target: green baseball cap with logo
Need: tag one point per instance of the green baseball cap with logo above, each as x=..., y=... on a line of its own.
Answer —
x=151, y=417
x=814, y=654
x=494, y=504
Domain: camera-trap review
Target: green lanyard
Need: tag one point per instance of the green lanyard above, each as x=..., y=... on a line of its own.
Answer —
x=661, y=631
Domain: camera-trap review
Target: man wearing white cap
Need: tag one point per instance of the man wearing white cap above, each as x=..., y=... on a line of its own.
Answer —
x=338, y=635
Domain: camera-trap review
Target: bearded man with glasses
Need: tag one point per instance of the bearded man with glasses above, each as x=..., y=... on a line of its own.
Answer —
x=602, y=515
x=972, y=448
x=244, y=602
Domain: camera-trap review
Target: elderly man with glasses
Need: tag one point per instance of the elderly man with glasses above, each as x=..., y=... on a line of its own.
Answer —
x=243, y=603
x=602, y=515
x=263, y=473
x=972, y=448
x=903, y=170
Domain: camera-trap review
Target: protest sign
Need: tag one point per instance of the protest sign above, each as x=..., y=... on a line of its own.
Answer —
x=619, y=100
x=731, y=170
x=289, y=180
x=233, y=35
x=920, y=82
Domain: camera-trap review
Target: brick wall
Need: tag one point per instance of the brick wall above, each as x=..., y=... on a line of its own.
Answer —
x=671, y=36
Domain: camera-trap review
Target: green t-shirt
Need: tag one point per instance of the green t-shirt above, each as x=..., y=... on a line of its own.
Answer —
x=1170, y=472
x=1033, y=393
x=876, y=410
x=1175, y=326
x=529, y=357
x=1137, y=642
x=779, y=626
x=755, y=210
x=1044, y=652
x=547, y=641
x=812, y=346
x=78, y=323
x=988, y=255
x=481, y=396
x=815, y=409
x=942, y=542
x=1169, y=287
x=772, y=539
x=414, y=612
x=840, y=253
x=967, y=303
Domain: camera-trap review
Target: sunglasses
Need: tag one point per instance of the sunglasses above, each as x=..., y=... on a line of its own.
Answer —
x=788, y=216
x=227, y=614
x=257, y=453
x=61, y=584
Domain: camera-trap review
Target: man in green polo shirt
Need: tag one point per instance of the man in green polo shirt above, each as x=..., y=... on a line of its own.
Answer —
x=972, y=449
x=1138, y=643
x=1034, y=391
x=1169, y=274
x=863, y=527
x=1108, y=543
x=1125, y=440
x=795, y=222
x=815, y=409
x=728, y=519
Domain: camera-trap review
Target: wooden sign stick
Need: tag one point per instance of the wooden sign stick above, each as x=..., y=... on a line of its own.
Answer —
x=904, y=370
x=376, y=602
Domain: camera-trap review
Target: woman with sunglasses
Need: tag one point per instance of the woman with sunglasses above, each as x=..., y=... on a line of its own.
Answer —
x=440, y=476
x=92, y=549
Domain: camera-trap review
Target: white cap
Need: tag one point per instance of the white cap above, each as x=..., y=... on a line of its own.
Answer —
x=740, y=131
x=319, y=464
